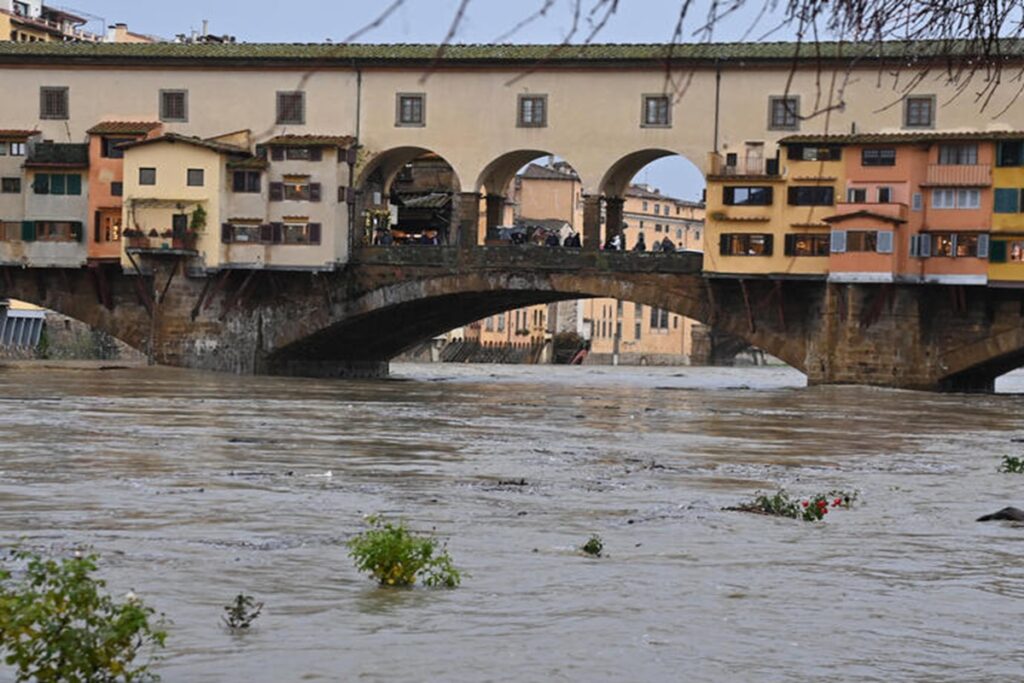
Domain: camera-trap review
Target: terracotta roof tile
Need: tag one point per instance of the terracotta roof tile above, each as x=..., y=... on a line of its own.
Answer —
x=123, y=127
x=189, y=140
x=343, y=141
x=17, y=135
x=538, y=172
x=904, y=137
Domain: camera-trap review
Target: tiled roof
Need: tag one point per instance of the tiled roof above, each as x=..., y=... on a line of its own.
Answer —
x=189, y=140
x=16, y=135
x=434, y=200
x=343, y=141
x=864, y=213
x=54, y=154
x=538, y=172
x=897, y=138
x=123, y=127
x=361, y=54
x=251, y=163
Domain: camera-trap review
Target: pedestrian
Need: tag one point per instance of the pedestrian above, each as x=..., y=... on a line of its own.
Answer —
x=667, y=245
x=617, y=243
x=552, y=240
x=640, y=245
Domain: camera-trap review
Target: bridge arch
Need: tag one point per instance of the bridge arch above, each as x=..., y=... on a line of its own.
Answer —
x=621, y=173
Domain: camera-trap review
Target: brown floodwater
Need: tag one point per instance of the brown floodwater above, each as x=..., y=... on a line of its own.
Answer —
x=194, y=487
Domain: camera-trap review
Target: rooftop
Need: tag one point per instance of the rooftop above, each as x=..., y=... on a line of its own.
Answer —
x=123, y=127
x=343, y=141
x=174, y=138
x=350, y=55
x=896, y=138
x=16, y=135
x=538, y=172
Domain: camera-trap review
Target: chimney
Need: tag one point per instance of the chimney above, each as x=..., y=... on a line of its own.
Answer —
x=206, y=27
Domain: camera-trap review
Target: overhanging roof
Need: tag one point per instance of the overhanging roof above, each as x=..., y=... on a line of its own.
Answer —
x=898, y=138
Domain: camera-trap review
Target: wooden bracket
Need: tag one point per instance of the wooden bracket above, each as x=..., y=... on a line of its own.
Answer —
x=746, y=304
x=234, y=299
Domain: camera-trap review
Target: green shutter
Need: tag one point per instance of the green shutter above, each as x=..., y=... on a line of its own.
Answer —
x=997, y=251
x=1007, y=200
x=41, y=183
x=58, y=183
x=74, y=184
x=28, y=231
x=77, y=233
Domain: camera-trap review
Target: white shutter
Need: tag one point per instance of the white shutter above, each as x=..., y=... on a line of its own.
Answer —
x=983, y=246
x=838, y=245
x=924, y=245
x=884, y=242
x=915, y=245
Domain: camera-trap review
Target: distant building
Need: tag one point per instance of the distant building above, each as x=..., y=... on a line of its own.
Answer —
x=31, y=21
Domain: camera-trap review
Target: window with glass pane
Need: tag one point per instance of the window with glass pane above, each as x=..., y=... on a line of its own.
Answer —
x=919, y=112
x=53, y=103
x=968, y=199
x=878, y=157
x=1010, y=153
x=966, y=244
x=247, y=232
x=808, y=244
x=656, y=110
x=943, y=244
x=533, y=111
x=195, y=177
x=147, y=176
x=785, y=113
x=410, y=110
x=740, y=244
x=862, y=240
x=296, y=188
x=810, y=195
x=291, y=108
x=958, y=155
x=174, y=105
x=747, y=196
x=884, y=195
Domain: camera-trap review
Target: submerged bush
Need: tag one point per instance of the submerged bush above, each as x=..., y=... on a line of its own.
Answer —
x=594, y=546
x=1012, y=465
x=56, y=625
x=395, y=556
x=812, y=509
x=242, y=612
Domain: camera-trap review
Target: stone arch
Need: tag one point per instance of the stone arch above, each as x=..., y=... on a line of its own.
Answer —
x=383, y=166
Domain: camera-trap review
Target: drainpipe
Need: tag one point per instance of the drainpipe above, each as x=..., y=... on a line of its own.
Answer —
x=718, y=93
x=352, y=163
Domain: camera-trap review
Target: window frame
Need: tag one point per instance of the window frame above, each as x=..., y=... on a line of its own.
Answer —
x=958, y=154
x=167, y=117
x=908, y=107
x=147, y=176
x=878, y=158
x=774, y=100
x=793, y=191
x=521, y=101
x=645, y=121
x=192, y=173
x=280, y=109
x=247, y=186
x=12, y=181
x=401, y=122
x=730, y=238
x=819, y=244
x=65, y=92
x=729, y=195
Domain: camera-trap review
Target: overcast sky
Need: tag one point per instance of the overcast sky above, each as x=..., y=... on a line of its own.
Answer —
x=428, y=21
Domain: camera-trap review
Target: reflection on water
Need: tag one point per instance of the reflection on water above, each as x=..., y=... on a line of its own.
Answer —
x=195, y=487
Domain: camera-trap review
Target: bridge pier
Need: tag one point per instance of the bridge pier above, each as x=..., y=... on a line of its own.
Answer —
x=613, y=218
x=327, y=369
x=466, y=213
x=591, y=222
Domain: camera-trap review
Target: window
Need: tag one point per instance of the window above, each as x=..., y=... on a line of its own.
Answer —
x=195, y=177
x=856, y=195
x=57, y=231
x=110, y=147
x=747, y=196
x=533, y=111
x=295, y=188
x=657, y=111
x=299, y=154
x=10, y=185
x=245, y=181
x=1010, y=153
x=966, y=245
x=174, y=106
x=17, y=149
x=741, y=244
x=301, y=233
x=814, y=152
x=501, y=323
x=783, y=113
x=1003, y=251
x=882, y=156
x=810, y=244
x=943, y=244
x=862, y=240
x=645, y=207
x=880, y=241
x=884, y=195
x=958, y=155
x=57, y=184
x=919, y=111
x=917, y=202
x=956, y=199
x=147, y=176
x=489, y=324
x=1007, y=200
x=952, y=245
x=810, y=195
x=246, y=232
x=53, y=103
x=659, y=319
x=411, y=109
x=116, y=189
x=291, y=108
x=295, y=231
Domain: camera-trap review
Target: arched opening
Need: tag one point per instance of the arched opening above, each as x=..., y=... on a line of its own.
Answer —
x=30, y=332
x=408, y=195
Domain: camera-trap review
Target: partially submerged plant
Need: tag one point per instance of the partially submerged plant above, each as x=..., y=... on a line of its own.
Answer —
x=594, y=546
x=812, y=509
x=1012, y=465
x=242, y=612
x=56, y=625
x=395, y=556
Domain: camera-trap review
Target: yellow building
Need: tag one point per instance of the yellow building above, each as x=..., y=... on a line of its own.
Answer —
x=1006, y=250
x=755, y=205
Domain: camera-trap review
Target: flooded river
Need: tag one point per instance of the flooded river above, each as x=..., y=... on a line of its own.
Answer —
x=194, y=487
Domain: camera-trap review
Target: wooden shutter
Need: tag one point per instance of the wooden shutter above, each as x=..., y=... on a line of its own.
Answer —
x=28, y=231
x=728, y=195
x=277, y=230
x=77, y=233
x=884, y=243
x=277, y=153
x=314, y=192
x=238, y=181
x=723, y=244
x=790, y=247
x=276, y=192
x=983, y=246
x=838, y=242
x=41, y=183
x=314, y=233
x=227, y=233
x=924, y=246
x=769, y=240
x=316, y=154
x=997, y=251
x=266, y=233
x=795, y=152
x=1007, y=200
x=74, y=184
x=794, y=196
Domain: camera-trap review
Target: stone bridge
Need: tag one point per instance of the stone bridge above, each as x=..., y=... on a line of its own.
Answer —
x=351, y=321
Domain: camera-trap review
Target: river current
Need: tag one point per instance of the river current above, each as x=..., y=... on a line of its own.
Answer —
x=194, y=487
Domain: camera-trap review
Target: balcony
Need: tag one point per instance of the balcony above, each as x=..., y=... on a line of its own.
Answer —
x=946, y=175
x=765, y=169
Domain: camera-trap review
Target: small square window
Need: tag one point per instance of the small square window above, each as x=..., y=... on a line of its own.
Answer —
x=11, y=186
x=783, y=113
x=919, y=111
x=17, y=149
x=657, y=111
x=884, y=195
x=533, y=111
x=174, y=105
x=111, y=147
x=411, y=110
x=195, y=177
x=53, y=103
x=291, y=108
x=147, y=176
x=116, y=189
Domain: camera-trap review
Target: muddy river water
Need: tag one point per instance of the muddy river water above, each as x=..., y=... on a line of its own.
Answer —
x=194, y=487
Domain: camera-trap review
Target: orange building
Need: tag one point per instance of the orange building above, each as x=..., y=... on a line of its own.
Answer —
x=106, y=182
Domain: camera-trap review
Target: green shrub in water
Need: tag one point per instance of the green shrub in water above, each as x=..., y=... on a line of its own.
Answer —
x=594, y=546
x=810, y=509
x=1012, y=465
x=242, y=612
x=395, y=556
x=56, y=625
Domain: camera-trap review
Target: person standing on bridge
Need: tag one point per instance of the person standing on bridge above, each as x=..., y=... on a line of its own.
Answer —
x=667, y=245
x=640, y=245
